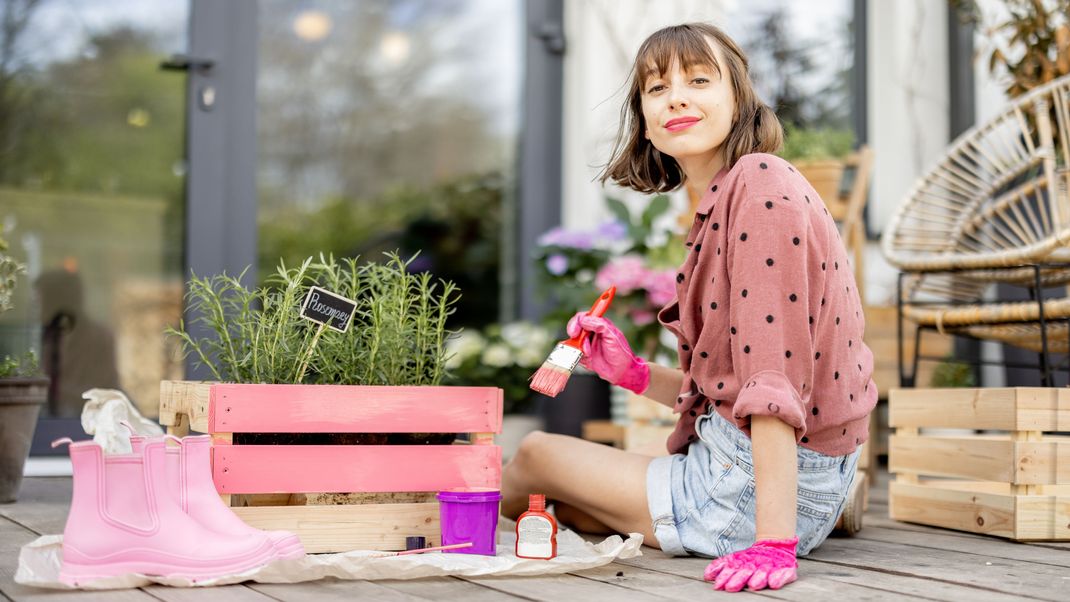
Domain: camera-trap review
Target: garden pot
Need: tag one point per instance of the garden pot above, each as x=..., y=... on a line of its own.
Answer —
x=20, y=402
x=825, y=177
x=585, y=397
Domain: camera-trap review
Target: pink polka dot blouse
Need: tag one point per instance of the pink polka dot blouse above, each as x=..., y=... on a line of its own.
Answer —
x=767, y=314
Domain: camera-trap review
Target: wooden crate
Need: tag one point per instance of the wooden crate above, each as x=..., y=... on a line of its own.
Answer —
x=629, y=437
x=247, y=473
x=1014, y=483
x=881, y=338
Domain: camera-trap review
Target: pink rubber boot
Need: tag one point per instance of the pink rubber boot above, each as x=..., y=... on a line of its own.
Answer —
x=122, y=520
x=190, y=484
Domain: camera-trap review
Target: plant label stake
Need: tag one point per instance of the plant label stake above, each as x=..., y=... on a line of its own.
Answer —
x=328, y=310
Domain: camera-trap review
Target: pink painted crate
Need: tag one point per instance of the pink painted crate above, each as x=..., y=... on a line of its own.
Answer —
x=245, y=473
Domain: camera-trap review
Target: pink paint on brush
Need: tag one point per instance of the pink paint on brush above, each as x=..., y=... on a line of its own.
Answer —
x=551, y=378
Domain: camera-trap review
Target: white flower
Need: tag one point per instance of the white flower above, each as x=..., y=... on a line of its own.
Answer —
x=541, y=340
x=497, y=355
x=464, y=345
x=530, y=357
x=517, y=334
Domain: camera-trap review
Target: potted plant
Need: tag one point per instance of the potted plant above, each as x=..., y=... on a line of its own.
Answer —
x=818, y=154
x=638, y=253
x=335, y=434
x=22, y=393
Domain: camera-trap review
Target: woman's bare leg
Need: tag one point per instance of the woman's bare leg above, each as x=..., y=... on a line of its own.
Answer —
x=593, y=484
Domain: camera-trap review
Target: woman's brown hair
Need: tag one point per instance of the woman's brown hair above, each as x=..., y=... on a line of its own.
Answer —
x=635, y=163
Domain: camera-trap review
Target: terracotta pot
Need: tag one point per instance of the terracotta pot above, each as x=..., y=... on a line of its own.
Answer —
x=20, y=402
x=824, y=176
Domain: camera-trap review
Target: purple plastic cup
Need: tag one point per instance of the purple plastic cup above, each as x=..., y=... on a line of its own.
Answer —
x=470, y=515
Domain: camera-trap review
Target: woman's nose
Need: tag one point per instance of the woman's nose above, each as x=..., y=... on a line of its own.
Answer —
x=677, y=101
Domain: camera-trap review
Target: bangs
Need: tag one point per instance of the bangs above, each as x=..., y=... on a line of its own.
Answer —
x=681, y=43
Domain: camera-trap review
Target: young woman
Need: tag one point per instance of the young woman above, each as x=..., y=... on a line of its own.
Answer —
x=774, y=387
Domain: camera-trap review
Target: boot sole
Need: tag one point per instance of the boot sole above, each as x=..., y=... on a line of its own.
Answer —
x=289, y=548
x=78, y=574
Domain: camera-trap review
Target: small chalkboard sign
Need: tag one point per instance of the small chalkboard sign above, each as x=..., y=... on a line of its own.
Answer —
x=329, y=309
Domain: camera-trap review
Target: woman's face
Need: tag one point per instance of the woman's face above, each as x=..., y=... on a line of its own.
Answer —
x=688, y=113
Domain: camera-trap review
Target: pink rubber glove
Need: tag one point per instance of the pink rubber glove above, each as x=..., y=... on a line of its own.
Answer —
x=768, y=563
x=607, y=353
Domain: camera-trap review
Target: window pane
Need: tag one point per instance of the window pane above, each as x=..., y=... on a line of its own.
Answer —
x=388, y=125
x=801, y=56
x=91, y=181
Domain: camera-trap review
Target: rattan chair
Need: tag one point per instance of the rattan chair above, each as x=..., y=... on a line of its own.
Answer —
x=995, y=208
x=998, y=198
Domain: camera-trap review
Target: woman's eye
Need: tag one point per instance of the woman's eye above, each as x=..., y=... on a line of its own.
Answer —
x=701, y=80
x=655, y=88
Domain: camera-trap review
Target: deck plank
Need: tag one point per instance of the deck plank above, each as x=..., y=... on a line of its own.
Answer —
x=447, y=588
x=1041, y=581
x=42, y=504
x=887, y=560
x=553, y=588
x=832, y=581
x=230, y=593
x=12, y=537
x=331, y=589
x=975, y=545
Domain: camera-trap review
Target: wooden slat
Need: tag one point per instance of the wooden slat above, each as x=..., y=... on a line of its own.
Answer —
x=185, y=397
x=856, y=570
x=230, y=593
x=349, y=527
x=354, y=409
x=345, y=468
x=1033, y=517
x=332, y=590
x=1009, y=409
x=987, y=458
x=12, y=537
x=446, y=588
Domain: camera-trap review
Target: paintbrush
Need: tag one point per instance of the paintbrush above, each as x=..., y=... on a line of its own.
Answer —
x=456, y=546
x=550, y=379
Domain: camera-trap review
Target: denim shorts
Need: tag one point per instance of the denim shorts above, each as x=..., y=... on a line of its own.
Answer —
x=702, y=502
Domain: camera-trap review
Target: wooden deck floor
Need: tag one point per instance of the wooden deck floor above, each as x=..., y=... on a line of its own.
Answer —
x=886, y=561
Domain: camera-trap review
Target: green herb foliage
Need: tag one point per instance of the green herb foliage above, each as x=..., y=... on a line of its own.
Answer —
x=397, y=337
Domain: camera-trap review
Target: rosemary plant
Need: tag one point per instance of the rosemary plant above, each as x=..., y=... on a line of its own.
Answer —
x=398, y=335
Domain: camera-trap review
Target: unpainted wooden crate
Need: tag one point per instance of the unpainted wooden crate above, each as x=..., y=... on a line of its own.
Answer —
x=1011, y=479
x=262, y=482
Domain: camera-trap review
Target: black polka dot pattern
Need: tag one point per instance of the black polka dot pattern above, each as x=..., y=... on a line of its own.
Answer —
x=793, y=319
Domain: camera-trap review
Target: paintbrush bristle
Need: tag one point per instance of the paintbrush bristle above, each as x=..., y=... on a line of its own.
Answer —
x=550, y=379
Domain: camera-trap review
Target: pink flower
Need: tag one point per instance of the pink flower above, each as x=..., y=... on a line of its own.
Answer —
x=661, y=287
x=627, y=273
x=642, y=317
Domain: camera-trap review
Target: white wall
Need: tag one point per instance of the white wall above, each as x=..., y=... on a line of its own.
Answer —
x=908, y=103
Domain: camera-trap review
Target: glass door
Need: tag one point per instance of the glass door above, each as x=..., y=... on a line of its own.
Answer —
x=92, y=173
x=388, y=125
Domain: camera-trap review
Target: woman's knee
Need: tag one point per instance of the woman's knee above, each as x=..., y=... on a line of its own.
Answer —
x=532, y=447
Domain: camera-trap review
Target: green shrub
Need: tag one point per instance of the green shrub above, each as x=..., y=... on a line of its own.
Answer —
x=397, y=336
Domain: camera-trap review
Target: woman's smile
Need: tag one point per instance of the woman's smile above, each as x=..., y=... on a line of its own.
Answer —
x=681, y=123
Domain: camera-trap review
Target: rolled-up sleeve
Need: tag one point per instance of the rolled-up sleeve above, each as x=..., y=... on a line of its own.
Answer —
x=773, y=286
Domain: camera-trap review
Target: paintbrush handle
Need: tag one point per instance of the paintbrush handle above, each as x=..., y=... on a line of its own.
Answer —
x=597, y=310
x=456, y=546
